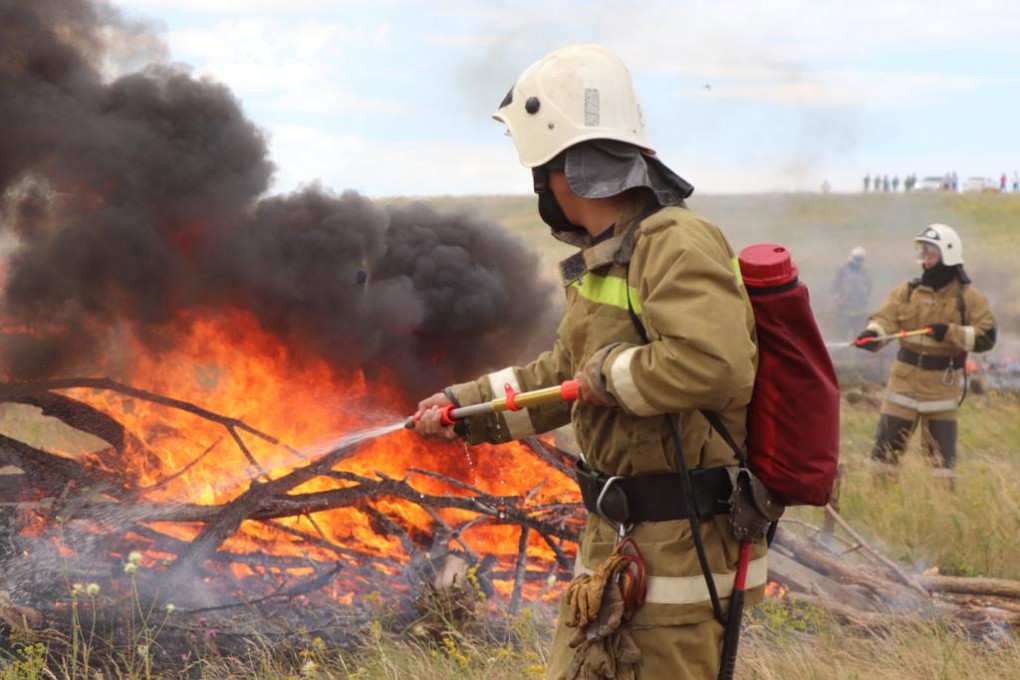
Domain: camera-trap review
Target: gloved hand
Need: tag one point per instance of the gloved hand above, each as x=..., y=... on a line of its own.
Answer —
x=870, y=346
x=939, y=330
x=591, y=383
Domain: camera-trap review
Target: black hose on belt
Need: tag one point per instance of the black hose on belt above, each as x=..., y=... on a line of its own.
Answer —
x=694, y=517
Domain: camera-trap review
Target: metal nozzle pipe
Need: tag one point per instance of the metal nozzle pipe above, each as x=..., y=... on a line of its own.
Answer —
x=513, y=401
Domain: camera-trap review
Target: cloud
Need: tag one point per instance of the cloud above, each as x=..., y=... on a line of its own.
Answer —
x=810, y=53
x=390, y=168
x=856, y=89
x=295, y=68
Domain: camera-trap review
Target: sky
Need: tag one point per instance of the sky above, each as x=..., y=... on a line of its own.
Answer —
x=394, y=97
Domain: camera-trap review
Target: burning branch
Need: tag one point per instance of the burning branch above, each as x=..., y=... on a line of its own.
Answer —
x=124, y=513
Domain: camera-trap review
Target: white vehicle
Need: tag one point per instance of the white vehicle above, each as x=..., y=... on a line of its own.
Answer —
x=929, y=184
x=982, y=184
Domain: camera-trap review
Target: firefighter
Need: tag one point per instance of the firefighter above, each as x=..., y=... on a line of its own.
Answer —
x=646, y=266
x=927, y=380
x=849, y=293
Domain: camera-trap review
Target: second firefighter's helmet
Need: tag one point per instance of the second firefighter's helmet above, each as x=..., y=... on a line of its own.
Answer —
x=575, y=94
x=946, y=239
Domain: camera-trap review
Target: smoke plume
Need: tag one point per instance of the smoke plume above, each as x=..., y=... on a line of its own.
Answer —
x=136, y=203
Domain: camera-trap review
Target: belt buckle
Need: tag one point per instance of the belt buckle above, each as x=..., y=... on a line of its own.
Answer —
x=920, y=359
x=622, y=527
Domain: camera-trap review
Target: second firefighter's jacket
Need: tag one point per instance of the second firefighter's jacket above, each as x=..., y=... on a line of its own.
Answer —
x=913, y=306
x=682, y=280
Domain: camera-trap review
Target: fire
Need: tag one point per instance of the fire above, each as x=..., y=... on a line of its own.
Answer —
x=230, y=366
x=775, y=590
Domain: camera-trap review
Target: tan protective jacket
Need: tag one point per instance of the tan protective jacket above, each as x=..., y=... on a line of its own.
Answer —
x=912, y=306
x=684, y=284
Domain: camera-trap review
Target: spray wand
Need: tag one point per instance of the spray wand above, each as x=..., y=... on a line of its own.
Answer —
x=879, y=338
x=513, y=401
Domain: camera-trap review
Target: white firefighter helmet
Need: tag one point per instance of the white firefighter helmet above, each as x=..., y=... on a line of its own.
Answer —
x=946, y=239
x=572, y=95
x=858, y=254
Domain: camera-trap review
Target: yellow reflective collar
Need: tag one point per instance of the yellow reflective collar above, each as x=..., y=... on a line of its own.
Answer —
x=607, y=290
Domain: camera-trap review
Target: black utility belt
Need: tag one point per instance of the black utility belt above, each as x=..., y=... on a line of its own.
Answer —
x=929, y=362
x=653, y=498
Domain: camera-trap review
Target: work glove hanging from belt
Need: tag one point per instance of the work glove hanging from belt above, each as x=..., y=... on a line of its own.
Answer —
x=597, y=605
x=603, y=650
x=584, y=594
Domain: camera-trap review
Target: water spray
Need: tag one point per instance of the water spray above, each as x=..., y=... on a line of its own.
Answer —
x=861, y=342
x=513, y=401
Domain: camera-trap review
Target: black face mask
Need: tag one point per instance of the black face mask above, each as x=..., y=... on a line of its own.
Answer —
x=938, y=276
x=548, y=207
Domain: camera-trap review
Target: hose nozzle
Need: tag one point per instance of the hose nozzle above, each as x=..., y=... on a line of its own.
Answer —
x=513, y=401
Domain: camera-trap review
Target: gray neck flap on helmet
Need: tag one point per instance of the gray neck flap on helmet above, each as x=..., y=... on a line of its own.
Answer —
x=600, y=168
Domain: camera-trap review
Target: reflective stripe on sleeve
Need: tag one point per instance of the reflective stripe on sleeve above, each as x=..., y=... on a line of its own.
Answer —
x=693, y=589
x=518, y=423
x=969, y=337
x=922, y=406
x=626, y=392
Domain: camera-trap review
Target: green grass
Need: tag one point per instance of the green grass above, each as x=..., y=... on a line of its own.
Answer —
x=972, y=531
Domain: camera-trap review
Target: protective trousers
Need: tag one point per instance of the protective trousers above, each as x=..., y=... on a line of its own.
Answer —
x=938, y=436
x=685, y=652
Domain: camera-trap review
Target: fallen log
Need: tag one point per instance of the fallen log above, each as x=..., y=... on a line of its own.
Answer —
x=970, y=585
x=799, y=578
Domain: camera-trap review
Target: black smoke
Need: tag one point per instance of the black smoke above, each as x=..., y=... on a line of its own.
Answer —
x=131, y=201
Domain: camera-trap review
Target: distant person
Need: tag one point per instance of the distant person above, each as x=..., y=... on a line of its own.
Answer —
x=955, y=180
x=1002, y=183
x=826, y=187
x=867, y=183
x=849, y=293
x=909, y=182
x=926, y=380
x=885, y=184
x=1016, y=181
x=896, y=183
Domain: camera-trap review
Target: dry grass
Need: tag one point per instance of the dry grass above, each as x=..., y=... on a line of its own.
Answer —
x=929, y=649
x=973, y=531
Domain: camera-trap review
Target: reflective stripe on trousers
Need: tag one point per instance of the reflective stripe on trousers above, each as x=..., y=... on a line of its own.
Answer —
x=693, y=589
x=921, y=406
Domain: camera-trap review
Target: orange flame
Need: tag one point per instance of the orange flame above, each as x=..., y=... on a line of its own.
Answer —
x=230, y=366
x=775, y=590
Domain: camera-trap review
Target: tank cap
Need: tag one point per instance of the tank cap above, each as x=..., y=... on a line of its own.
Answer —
x=766, y=265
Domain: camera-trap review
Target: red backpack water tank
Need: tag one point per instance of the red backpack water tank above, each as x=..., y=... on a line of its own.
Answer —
x=793, y=420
